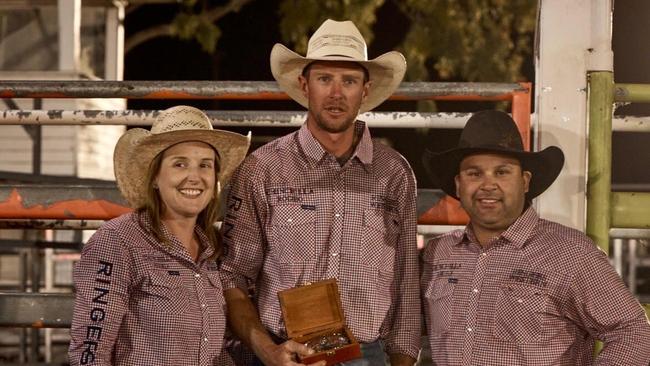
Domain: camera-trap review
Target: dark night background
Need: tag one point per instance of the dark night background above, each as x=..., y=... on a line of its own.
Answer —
x=243, y=54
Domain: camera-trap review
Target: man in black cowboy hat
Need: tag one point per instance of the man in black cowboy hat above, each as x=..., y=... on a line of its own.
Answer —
x=513, y=288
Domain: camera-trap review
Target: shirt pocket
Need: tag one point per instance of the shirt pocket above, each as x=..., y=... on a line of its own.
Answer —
x=165, y=293
x=439, y=299
x=380, y=233
x=293, y=234
x=519, y=313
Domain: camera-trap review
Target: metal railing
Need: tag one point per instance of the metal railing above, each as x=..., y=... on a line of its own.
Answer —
x=95, y=206
x=607, y=209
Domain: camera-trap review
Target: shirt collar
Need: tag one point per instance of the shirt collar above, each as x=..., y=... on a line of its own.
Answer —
x=520, y=230
x=516, y=234
x=315, y=151
x=177, y=248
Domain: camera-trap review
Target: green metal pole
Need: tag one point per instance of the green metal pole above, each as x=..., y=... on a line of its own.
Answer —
x=639, y=93
x=630, y=209
x=601, y=99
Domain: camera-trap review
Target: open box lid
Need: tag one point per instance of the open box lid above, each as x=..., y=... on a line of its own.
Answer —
x=312, y=308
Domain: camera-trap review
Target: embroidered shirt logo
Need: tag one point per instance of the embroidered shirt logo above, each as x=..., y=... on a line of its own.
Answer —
x=380, y=202
x=288, y=194
x=529, y=277
x=445, y=269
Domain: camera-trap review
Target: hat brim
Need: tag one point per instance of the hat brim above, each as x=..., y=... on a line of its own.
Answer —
x=386, y=73
x=545, y=166
x=136, y=149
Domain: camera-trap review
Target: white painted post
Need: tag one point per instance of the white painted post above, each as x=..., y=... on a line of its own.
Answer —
x=69, y=34
x=69, y=17
x=49, y=287
x=574, y=37
x=114, y=55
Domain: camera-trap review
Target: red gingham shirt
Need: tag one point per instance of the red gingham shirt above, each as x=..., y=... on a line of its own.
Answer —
x=140, y=303
x=538, y=295
x=295, y=216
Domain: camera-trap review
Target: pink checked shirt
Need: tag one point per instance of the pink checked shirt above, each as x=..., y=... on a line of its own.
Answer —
x=140, y=303
x=540, y=294
x=296, y=216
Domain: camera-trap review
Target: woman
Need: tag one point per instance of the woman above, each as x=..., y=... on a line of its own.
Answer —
x=147, y=287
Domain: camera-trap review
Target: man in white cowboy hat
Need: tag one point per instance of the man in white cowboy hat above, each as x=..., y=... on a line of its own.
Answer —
x=513, y=288
x=327, y=202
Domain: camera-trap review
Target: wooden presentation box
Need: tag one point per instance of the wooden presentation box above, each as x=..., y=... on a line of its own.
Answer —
x=314, y=311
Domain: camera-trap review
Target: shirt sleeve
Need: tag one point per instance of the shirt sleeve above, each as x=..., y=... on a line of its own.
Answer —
x=102, y=279
x=243, y=228
x=403, y=323
x=609, y=312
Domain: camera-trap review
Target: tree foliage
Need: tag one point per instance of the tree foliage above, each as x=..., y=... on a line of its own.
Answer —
x=473, y=40
x=195, y=21
x=300, y=18
x=189, y=26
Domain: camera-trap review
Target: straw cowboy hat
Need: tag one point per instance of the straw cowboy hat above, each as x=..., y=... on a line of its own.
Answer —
x=494, y=132
x=338, y=41
x=138, y=147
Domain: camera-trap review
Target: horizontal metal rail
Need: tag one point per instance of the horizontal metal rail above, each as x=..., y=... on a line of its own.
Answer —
x=631, y=123
x=632, y=93
x=225, y=118
x=18, y=178
x=145, y=118
x=53, y=224
x=630, y=187
x=39, y=244
x=630, y=209
x=36, y=310
x=84, y=207
x=54, y=205
x=627, y=233
x=51, y=201
x=235, y=90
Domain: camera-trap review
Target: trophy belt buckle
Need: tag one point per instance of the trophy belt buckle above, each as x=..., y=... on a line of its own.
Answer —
x=328, y=343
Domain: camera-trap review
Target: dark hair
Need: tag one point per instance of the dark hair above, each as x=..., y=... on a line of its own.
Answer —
x=366, y=74
x=154, y=206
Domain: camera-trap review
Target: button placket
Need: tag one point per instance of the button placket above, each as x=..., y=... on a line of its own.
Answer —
x=200, y=285
x=336, y=234
x=472, y=309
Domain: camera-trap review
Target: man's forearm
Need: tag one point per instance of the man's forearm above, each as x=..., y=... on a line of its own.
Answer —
x=244, y=321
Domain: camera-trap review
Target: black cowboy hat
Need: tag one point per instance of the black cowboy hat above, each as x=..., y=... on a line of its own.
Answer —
x=494, y=132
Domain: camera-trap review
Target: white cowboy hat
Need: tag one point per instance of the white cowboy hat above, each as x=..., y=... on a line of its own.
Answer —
x=138, y=147
x=338, y=41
